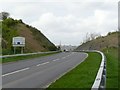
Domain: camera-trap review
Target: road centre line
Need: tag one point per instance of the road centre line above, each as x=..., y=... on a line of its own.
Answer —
x=56, y=59
x=68, y=55
x=21, y=70
x=15, y=72
x=63, y=57
x=42, y=64
x=29, y=68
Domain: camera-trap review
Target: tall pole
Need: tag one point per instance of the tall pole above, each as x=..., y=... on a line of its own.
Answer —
x=60, y=45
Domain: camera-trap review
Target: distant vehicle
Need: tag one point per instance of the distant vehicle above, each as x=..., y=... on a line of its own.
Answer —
x=65, y=50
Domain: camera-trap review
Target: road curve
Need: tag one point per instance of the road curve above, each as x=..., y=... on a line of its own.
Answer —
x=39, y=72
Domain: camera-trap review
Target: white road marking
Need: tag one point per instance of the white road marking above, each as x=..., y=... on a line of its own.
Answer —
x=56, y=59
x=36, y=65
x=42, y=64
x=73, y=53
x=63, y=57
x=65, y=73
x=15, y=72
x=67, y=55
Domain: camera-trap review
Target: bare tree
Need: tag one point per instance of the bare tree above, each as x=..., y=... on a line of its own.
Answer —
x=94, y=35
x=4, y=15
x=91, y=36
x=87, y=38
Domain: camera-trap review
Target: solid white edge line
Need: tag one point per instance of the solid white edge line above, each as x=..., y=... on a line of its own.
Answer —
x=15, y=72
x=42, y=64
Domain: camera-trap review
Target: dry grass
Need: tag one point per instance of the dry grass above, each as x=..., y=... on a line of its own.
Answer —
x=31, y=42
x=102, y=42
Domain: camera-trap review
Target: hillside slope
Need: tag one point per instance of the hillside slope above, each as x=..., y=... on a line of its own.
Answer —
x=111, y=40
x=35, y=40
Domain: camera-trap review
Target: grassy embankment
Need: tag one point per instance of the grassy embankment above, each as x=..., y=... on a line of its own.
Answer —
x=35, y=40
x=18, y=58
x=82, y=76
x=112, y=67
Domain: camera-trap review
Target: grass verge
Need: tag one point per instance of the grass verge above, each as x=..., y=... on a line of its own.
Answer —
x=18, y=58
x=82, y=76
x=112, y=67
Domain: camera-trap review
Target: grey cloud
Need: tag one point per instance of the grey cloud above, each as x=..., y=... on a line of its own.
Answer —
x=66, y=21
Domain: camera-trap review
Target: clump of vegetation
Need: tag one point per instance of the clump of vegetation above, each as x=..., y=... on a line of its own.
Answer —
x=4, y=15
x=100, y=42
x=41, y=38
x=109, y=44
x=12, y=28
x=8, y=32
x=112, y=67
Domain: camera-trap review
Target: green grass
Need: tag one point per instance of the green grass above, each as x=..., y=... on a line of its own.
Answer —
x=18, y=58
x=12, y=28
x=112, y=67
x=82, y=76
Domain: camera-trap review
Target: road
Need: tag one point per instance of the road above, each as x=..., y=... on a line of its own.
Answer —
x=39, y=72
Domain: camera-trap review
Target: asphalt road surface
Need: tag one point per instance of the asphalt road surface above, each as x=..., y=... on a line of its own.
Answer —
x=39, y=72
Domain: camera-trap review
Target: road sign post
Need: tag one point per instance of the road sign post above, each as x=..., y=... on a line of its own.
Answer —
x=18, y=42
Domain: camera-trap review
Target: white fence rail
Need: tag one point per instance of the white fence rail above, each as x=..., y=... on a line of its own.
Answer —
x=100, y=80
x=26, y=54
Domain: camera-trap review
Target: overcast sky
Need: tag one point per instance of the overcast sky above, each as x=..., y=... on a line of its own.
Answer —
x=65, y=20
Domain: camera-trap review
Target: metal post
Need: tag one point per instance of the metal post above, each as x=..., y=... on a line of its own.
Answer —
x=14, y=50
x=21, y=50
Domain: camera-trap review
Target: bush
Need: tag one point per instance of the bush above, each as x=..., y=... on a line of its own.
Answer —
x=52, y=48
x=9, y=22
